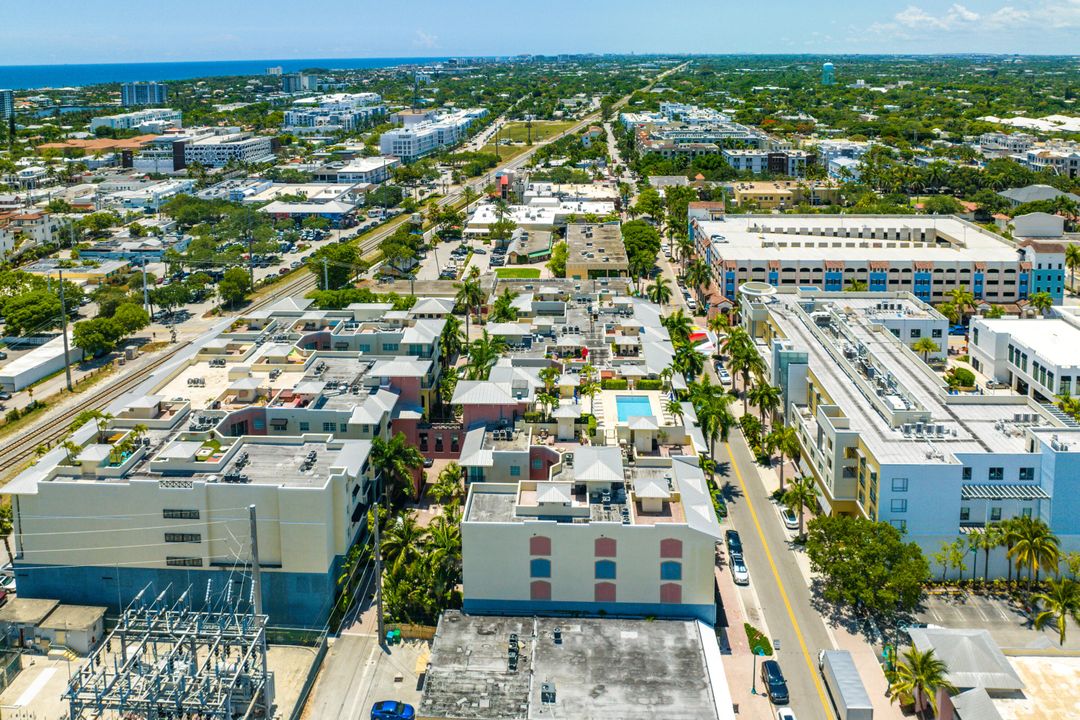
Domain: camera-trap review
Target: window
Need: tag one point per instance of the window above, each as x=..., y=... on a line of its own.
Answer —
x=539, y=590
x=604, y=592
x=515, y=471
x=304, y=427
x=966, y=473
x=390, y=347
x=916, y=333
x=605, y=570
x=169, y=514
x=1027, y=473
x=540, y=568
x=975, y=336
x=1066, y=385
x=671, y=548
x=183, y=537
x=183, y=561
x=364, y=347
x=604, y=547
x=996, y=473
x=537, y=464
x=539, y=545
x=329, y=427
x=935, y=333
x=899, y=484
x=1026, y=512
x=898, y=506
x=671, y=570
x=965, y=514
x=671, y=593
x=995, y=514
x=900, y=525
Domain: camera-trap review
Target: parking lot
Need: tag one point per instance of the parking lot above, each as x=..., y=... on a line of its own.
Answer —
x=1006, y=622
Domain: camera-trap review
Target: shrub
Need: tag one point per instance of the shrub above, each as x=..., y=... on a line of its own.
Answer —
x=613, y=384
x=647, y=384
x=533, y=417
x=757, y=639
x=960, y=377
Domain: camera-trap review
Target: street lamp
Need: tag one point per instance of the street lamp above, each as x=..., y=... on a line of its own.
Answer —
x=758, y=650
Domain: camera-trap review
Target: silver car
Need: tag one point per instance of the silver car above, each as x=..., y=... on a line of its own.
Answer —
x=739, y=573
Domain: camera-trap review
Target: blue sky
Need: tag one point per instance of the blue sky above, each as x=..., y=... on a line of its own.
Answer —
x=77, y=31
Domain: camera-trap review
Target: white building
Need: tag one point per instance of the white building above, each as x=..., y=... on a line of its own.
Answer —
x=369, y=170
x=149, y=121
x=332, y=113
x=41, y=362
x=151, y=197
x=1037, y=357
x=788, y=162
x=417, y=140
x=885, y=438
x=593, y=537
x=218, y=150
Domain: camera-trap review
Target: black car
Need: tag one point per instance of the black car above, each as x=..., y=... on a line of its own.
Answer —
x=774, y=682
x=734, y=542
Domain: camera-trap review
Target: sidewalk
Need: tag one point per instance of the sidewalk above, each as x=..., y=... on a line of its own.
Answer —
x=862, y=653
x=739, y=665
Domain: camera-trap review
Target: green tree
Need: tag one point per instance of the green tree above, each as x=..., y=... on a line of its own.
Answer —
x=1041, y=301
x=335, y=263
x=1059, y=603
x=394, y=461
x=469, y=296
x=557, y=263
x=483, y=354
x=689, y=361
x=799, y=495
x=766, y=397
x=1072, y=261
x=1034, y=547
x=97, y=336
x=448, y=487
x=866, y=564
x=925, y=346
x=131, y=318
x=502, y=310
x=660, y=291
x=920, y=675
x=784, y=440
x=7, y=524
x=402, y=540
x=452, y=341
x=234, y=286
x=32, y=312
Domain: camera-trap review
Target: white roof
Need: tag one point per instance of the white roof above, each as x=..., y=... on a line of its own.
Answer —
x=651, y=487
x=554, y=492
x=642, y=422
x=1053, y=339
x=972, y=657
x=598, y=464
x=481, y=392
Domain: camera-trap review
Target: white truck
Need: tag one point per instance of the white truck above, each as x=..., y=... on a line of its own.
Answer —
x=849, y=697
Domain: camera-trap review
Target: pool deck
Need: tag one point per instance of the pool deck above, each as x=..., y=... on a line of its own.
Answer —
x=607, y=407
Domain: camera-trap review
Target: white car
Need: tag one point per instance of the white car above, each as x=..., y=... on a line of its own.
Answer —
x=739, y=573
x=791, y=518
x=785, y=714
x=724, y=375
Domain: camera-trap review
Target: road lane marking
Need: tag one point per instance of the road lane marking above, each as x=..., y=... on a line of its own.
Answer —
x=780, y=584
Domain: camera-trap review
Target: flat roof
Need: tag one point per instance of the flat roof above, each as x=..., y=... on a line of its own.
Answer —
x=595, y=244
x=26, y=611
x=602, y=668
x=1054, y=339
x=73, y=617
x=790, y=238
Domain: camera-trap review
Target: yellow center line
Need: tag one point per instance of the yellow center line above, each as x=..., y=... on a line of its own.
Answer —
x=780, y=583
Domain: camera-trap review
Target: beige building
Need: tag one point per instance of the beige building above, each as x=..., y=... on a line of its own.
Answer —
x=594, y=251
x=781, y=195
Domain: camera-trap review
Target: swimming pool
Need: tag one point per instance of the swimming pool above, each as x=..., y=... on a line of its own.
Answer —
x=633, y=406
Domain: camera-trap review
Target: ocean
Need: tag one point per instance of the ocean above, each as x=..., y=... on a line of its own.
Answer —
x=21, y=77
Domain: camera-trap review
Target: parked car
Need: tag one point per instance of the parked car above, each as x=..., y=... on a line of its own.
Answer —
x=791, y=518
x=3, y=355
x=739, y=572
x=7, y=583
x=774, y=682
x=724, y=375
x=479, y=251
x=5, y=395
x=3, y=597
x=392, y=710
x=958, y=330
x=734, y=542
x=785, y=714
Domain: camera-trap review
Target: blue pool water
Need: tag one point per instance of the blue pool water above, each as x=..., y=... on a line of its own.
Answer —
x=633, y=406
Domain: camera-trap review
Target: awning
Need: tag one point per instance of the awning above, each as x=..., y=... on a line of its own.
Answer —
x=1003, y=492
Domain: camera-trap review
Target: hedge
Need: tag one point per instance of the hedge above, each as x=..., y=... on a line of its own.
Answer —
x=757, y=639
x=613, y=384
x=646, y=384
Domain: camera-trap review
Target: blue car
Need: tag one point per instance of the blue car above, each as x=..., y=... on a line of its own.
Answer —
x=392, y=710
x=958, y=330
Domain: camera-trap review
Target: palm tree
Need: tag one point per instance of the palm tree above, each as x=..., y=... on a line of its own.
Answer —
x=685, y=247
x=394, y=461
x=469, y=296
x=484, y=352
x=1035, y=547
x=444, y=544
x=714, y=416
x=1010, y=533
x=697, y=275
x=660, y=291
x=674, y=408
x=986, y=540
x=7, y=525
x=679, y=326
x=993, y=312
x=856, y=286
x=1041, y=301
x=745, y=362
x=448, y=486
x=401, y=540
x=766, y=398
x=469, y=196
x=784, y=440
x=1072, y=261
x=72, y=449
x=718, y=322
x=689, y=361
x=921, y=675
x=452, y=341
x=925, y=346
x=799, y=494
x=503, y=307
x=963, y=299
x=590, y=385
x=1060, y=603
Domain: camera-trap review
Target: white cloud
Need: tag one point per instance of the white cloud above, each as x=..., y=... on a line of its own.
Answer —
x=425, y=39
x=956, y=16
x=1045, y=15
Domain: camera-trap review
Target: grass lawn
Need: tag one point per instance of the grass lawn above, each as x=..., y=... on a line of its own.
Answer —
x=541, y=130
x=518, y=273
x=506, y=152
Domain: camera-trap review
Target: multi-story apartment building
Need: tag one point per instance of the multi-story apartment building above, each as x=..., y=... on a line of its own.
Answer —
x=278, y=409
x=333, y=113
x=784, y=162
x=593, y=537
x=884, y=436
x=925, y=255
x=219, y=150
x=1060, y=158
x=687, y=130
x=412, y=142
x=370, y=170
x=149, y=121
x=784, y=194
x=999, y=144
x=140, y=93
x=7, y=104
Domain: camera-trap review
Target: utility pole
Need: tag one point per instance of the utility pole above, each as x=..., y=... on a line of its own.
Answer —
x=63, y=331
x=325, y=274
x=256, y=578
x=378, y=578
x=251, y=256
x=145, y=290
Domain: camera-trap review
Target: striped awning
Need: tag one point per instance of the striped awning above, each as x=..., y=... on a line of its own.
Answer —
x=1003, y=492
